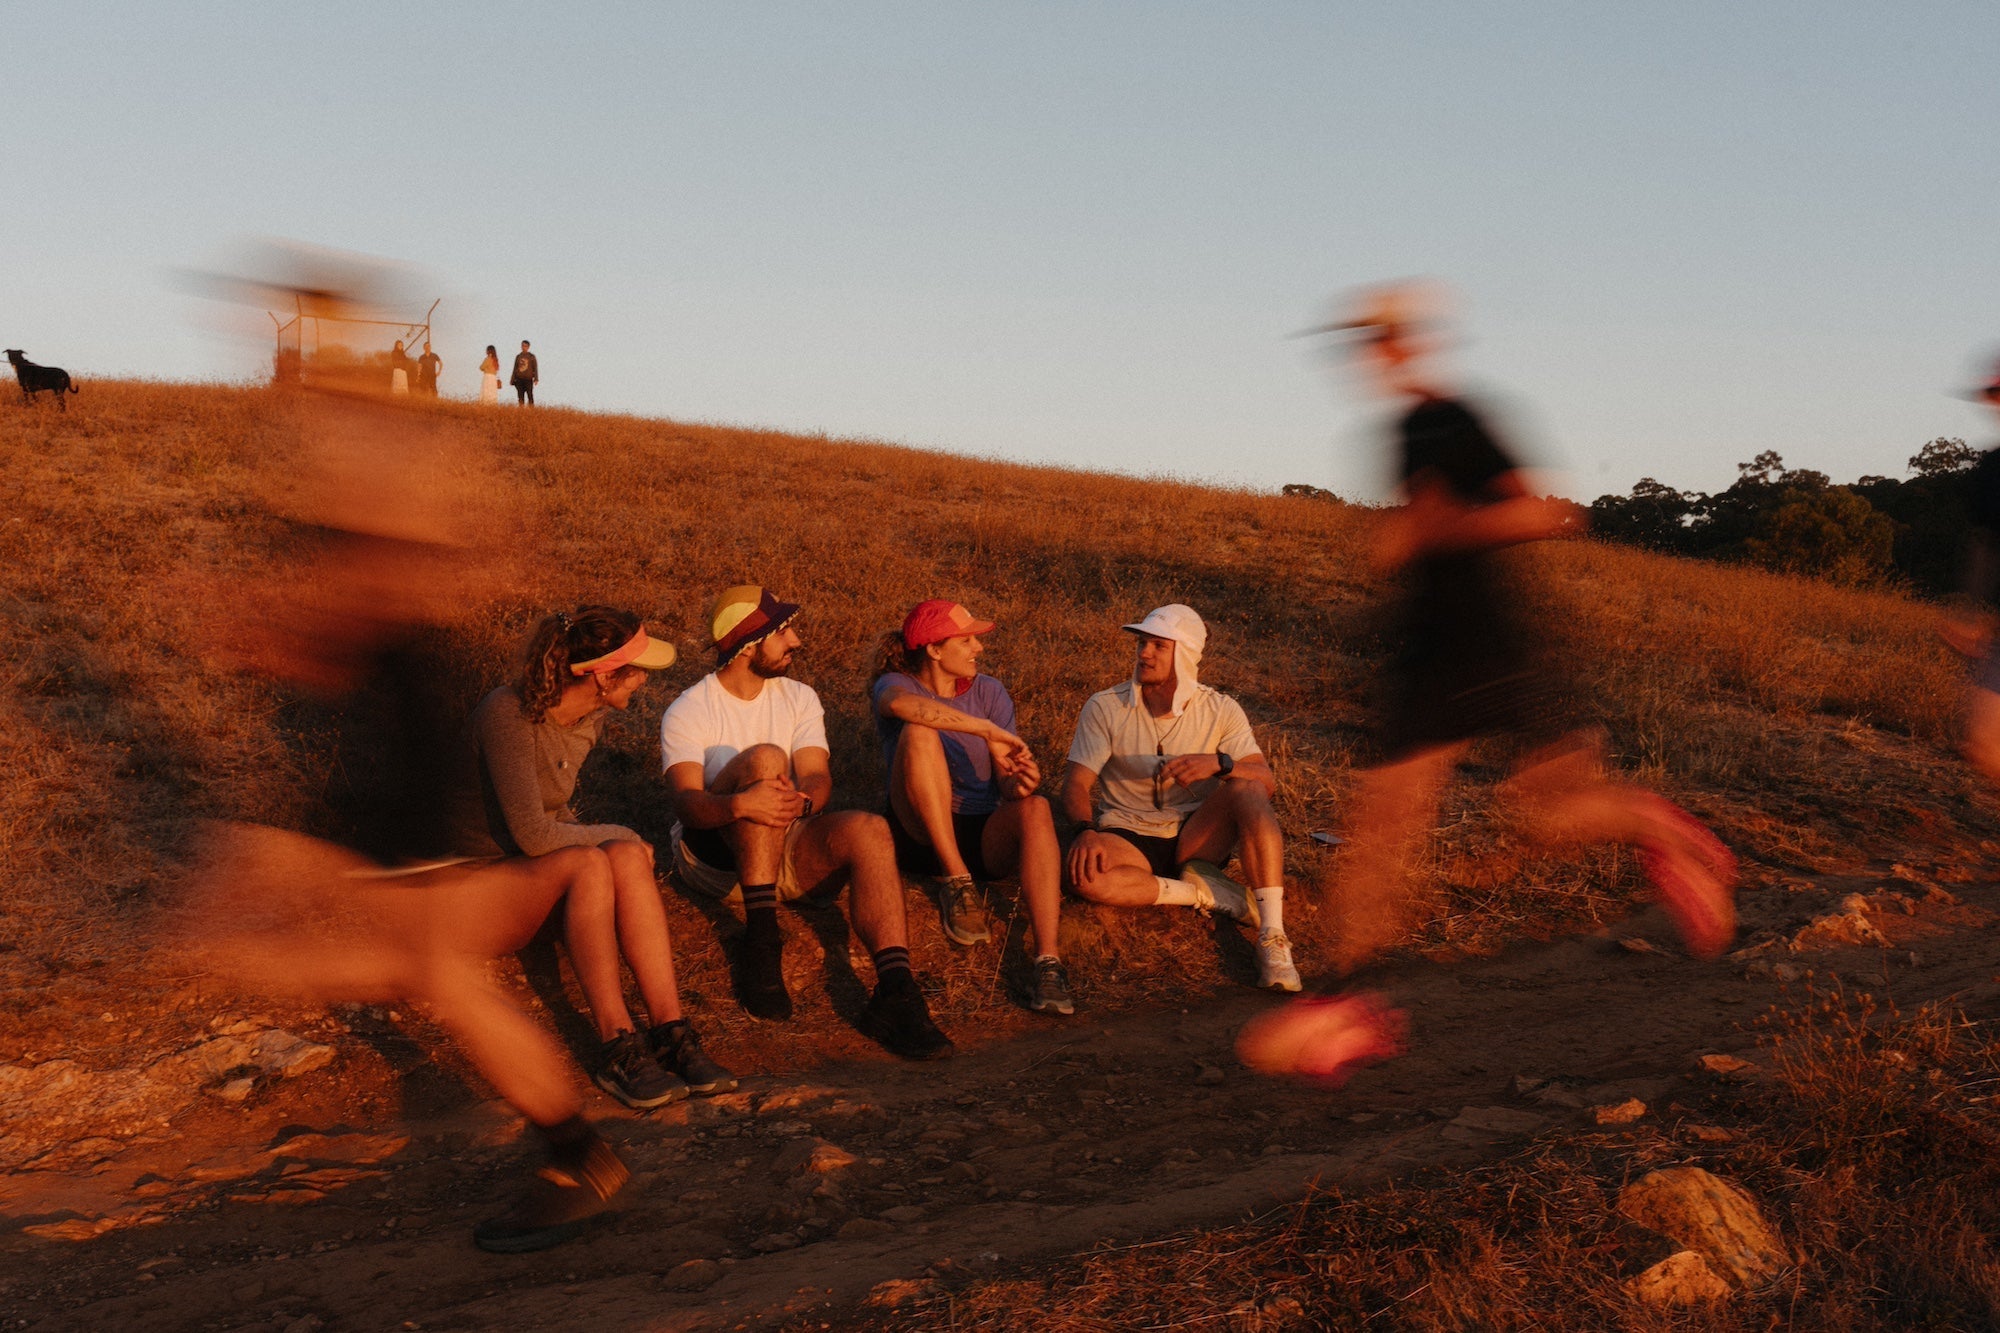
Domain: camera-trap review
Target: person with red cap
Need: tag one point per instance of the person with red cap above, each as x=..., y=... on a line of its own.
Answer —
x=1180, y=785
x=962, y=786
x=746, y=760
x=528, y=742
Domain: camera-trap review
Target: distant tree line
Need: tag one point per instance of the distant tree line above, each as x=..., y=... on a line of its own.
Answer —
x=1877, y=530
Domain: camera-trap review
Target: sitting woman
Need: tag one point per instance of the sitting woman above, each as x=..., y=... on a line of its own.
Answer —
x=962, y=785
x=529, y=740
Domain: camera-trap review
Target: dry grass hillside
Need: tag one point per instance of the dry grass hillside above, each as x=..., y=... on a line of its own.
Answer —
x=1810, y=724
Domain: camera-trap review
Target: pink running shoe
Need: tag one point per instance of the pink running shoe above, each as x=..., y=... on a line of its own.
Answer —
x=1696, y=879
x=1324, y=1037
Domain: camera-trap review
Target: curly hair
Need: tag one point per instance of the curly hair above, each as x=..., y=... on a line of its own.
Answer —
x=891, y=655
x=562, y=638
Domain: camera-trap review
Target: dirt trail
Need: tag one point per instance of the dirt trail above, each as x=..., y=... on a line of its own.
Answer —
x=1095, y=1130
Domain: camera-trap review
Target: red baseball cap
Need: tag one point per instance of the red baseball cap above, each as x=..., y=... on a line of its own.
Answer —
x=937, y=620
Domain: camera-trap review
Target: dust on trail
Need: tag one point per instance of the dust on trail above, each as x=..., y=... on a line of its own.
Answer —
x=797, y=1197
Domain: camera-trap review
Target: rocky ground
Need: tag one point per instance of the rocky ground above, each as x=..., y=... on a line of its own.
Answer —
x=323, y=1172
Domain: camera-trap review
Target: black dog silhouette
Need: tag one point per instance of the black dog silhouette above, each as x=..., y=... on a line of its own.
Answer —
x=40, y=379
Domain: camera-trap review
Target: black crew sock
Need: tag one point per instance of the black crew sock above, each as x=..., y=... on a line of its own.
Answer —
x=760, y=898
x=568, y=1142
x=892, y=964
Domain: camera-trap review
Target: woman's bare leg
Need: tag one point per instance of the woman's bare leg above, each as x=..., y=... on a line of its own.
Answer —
x=920, y=794
x=1023, y=833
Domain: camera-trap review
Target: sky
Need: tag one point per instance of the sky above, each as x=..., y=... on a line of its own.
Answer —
x=1072, y=233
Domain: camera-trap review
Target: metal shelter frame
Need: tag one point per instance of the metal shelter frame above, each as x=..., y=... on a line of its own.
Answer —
x=414, y=331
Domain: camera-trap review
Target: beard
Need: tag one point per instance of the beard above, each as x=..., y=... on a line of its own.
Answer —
x=770, y=670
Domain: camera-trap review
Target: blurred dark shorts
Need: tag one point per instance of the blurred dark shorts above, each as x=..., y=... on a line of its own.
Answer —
x=1528, y=706
x=917, y=857
x=1987, y=674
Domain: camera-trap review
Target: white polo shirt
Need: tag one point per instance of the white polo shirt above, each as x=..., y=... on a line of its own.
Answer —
x=1124, y=744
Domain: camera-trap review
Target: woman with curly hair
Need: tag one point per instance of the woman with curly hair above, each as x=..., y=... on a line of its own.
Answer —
x=530, y=739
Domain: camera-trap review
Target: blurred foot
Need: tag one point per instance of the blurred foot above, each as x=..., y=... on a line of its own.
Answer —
x=1695, y=876
x=556, y=1207
x=1324, y=1037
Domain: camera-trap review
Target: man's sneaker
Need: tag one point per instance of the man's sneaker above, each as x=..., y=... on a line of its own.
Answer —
x=557, y=1205
x=1274, y=962
x=760, y=974
x=1216, y=892
x=897, y=1017
x=1051, y=991
x=628, y=1071
x=961, y=912
x=677, y=1046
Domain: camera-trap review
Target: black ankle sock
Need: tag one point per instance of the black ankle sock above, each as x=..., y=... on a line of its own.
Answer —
x=891, y=963
x=569, y=1141
x=760, y=898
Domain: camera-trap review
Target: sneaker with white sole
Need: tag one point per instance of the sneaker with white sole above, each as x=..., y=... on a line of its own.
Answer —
x=1216, y=892
x=1274, y=962
x=1051, y=989
x=961, y=912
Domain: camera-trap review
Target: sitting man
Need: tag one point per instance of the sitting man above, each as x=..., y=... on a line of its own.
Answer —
x=745, y=755
x=962, y=798
x=1180, y=784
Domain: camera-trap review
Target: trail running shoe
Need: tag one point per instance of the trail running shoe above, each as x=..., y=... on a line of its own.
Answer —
x=627, y=1070
x=961, y=912
x=1050, y=994
x=1274, y=962
x=1216, y=892
x=760, y=973
x=897, y=1017
x=677, y=1046
x=557, y=1205
x=1324, y=1037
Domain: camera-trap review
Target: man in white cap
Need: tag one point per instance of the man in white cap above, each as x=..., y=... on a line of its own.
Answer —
x=1179, y=784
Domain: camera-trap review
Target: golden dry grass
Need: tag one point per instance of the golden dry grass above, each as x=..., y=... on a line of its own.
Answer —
x=1811, y=723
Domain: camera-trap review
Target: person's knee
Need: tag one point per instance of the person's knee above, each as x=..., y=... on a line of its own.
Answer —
x=919, y=740
x=866, y=834
x=761, y=762
x=629, y=856
x=588, y=870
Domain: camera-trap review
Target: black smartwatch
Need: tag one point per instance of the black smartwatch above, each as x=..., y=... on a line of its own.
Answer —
x=1224, y=762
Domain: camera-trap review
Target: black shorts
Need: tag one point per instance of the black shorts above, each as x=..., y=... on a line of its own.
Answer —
x=920, y=858
x=1162, y=855
x=709, y=847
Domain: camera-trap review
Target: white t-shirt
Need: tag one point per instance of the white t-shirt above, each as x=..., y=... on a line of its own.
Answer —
x=710, y=726
x=1124, y=744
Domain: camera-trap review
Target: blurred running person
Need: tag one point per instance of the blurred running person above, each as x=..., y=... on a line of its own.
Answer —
x=1971, y=630
x=529, y=742
x=746, y=760
x=1180, y=785
x=963, y=804
x=1468, y=667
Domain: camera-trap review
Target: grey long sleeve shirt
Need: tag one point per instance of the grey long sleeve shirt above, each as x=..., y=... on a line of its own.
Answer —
x=526, y=776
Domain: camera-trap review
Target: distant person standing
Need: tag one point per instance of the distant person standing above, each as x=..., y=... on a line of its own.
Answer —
x=527, y=374
x=489, y=376
x=428, y=366
x=399, y=369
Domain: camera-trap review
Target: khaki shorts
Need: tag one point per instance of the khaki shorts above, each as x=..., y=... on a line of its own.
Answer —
x=697, y=876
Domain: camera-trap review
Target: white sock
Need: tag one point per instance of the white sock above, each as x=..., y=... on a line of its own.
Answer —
x=1271, y=909
x=1174, y=892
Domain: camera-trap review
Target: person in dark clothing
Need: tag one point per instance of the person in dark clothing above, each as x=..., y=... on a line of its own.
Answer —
x=1970, y=630
x=1468, y=667
x=527, y=374
x=428, y=366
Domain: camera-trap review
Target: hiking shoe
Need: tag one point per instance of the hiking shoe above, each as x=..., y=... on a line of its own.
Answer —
x=760, y=975
x=558, y=1205
x=628, y=1071
x=897, y=1017
x=1216, y=892
x=1050, y=994
x=1324, y=1037
x=677, y=1046
x=1274, y=962
x=961, y=912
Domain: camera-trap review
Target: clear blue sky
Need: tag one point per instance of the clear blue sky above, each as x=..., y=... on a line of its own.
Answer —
x=1063, y=232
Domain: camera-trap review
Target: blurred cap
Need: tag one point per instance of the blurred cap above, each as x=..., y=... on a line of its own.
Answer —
x=1392, y=307
x=1176, y=622
x=937, y=620
x=742, y=615
x=1987, y=391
